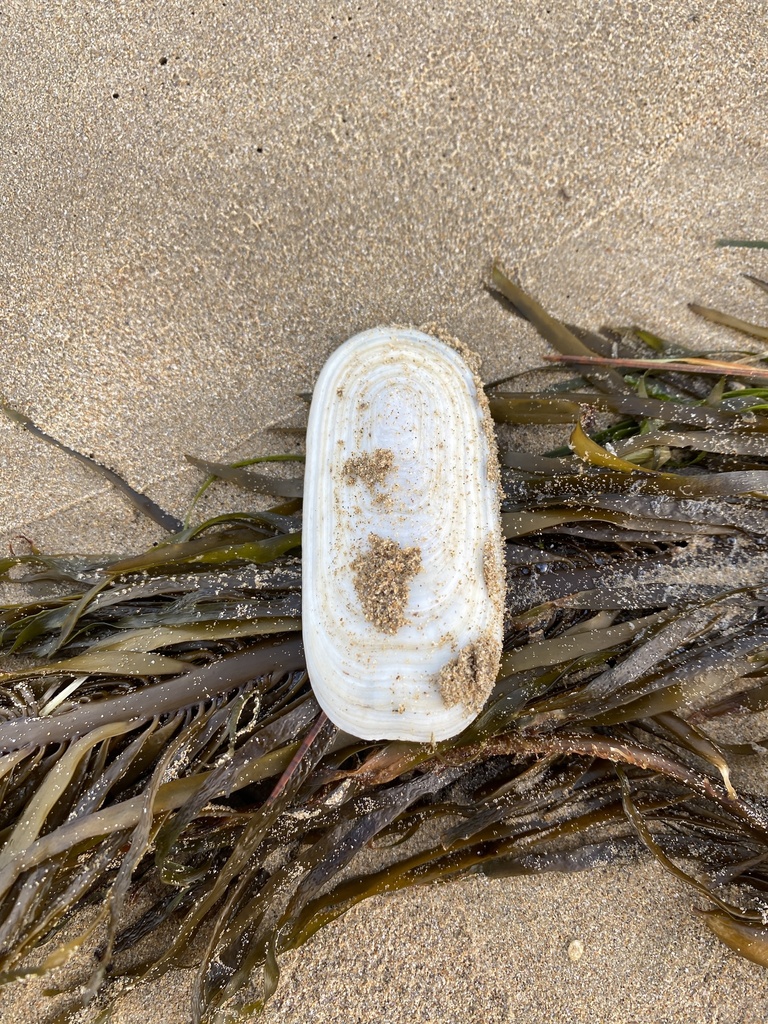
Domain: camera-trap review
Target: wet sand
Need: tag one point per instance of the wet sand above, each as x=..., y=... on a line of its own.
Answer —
x=200, y=202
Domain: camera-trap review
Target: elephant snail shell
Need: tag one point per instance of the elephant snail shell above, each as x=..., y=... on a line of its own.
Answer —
x=403, y=567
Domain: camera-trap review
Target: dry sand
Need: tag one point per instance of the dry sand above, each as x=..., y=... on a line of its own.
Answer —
x=199, y=201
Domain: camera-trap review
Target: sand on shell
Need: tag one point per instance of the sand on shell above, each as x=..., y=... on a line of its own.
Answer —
x=382, y=572
x=199, y=202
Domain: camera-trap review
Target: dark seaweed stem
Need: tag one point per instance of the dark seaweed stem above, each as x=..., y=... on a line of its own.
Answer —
x=166, y=741
x=145, y=504
x=744, y=243
x=714, y=367
x=620, y=753
x=201, y=684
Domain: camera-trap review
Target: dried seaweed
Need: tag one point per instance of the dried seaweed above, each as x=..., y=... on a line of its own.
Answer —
x=160, y=735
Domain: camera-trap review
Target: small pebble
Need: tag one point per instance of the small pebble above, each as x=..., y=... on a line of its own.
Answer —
x=575, y=950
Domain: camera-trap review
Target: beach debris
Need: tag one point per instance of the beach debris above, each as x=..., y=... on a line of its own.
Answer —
x=575, y=950
x=159, y=734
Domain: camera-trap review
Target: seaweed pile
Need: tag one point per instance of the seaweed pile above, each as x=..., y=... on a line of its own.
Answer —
x=163, y=762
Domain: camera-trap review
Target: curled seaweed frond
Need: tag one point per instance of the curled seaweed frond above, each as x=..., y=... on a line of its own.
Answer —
x=163, y=759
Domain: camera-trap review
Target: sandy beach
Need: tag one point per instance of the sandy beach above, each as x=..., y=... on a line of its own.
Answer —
x=200, y=202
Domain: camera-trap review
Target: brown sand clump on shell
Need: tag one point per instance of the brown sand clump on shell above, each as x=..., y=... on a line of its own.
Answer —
x=382, y=576
x=371, y=468
x=468, y=679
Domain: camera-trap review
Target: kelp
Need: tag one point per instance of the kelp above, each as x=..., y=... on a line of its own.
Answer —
x=164, y=763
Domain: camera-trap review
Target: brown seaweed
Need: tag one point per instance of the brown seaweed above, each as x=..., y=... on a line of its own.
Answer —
x=161, y=732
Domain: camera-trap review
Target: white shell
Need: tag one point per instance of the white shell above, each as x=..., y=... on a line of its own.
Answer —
x=401, y=645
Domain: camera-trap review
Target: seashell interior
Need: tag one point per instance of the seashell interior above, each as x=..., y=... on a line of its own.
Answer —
x=403, y=580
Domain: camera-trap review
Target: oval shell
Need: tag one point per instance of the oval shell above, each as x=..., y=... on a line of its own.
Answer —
x=403, y=580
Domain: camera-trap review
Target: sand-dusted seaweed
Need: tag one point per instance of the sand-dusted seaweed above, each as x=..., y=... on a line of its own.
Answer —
x=162, y=758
